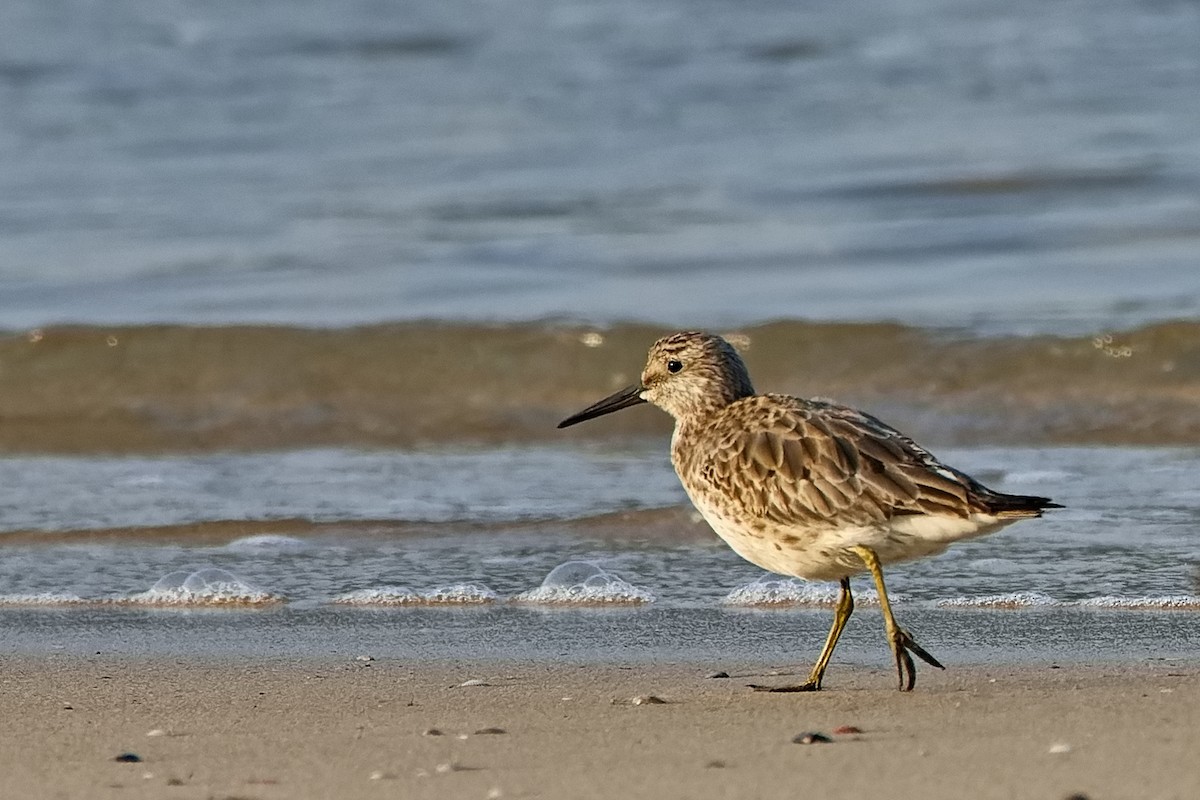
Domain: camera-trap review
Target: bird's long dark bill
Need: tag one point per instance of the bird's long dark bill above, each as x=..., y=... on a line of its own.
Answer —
x=629, y=396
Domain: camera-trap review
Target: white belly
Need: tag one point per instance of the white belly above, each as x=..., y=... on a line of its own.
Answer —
x=823, y=552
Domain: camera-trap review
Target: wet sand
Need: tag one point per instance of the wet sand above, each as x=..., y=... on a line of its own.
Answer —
x=152, y=389
x=347, y=728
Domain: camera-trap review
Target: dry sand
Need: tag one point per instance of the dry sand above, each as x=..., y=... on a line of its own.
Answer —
x=324, y=729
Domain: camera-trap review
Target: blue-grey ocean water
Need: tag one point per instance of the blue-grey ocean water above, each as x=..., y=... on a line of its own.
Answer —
x=1014, y=166
x=994, y=168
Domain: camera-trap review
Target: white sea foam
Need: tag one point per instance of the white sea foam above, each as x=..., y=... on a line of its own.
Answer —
x=771, y=591
x=380, y=596
x=1007, y=600
x=266, y=541
x=42, y=599
x=1178, y=602
x=210, y=586
x=582, y=583
x=459, y=594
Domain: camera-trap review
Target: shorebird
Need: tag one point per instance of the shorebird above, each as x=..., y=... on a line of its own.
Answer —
x=809, y=488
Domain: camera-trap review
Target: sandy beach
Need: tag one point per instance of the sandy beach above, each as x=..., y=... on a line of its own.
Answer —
x=324, y=729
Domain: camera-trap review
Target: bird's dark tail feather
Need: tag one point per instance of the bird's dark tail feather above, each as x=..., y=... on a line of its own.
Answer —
x=1018, y=505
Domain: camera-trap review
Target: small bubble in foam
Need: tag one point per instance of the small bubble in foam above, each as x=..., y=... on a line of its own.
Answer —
x=584, y=583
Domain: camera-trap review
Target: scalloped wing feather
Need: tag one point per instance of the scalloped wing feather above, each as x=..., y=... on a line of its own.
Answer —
x=794, y=461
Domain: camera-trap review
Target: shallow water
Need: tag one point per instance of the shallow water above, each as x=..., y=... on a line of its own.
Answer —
x=308, y=528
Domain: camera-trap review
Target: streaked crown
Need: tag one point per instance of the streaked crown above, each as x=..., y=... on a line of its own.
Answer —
x=693, y=374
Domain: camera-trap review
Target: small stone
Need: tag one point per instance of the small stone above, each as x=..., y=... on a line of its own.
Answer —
x=716, y=763
x=147, y=776
x=1059, y=748
x=474, y=682
x=812, y=737
x=1077, y=796
x=68, y=707
x=648, y=700
x=490, y=731
x=174, y=782
x=380, y=775
x=364, y=658
x=448, y=766
x=433, y=732
x=494, y=793
x=718, y=674
x=128, y=758
x=462, y=737
x=846, y=730
x=156, y=732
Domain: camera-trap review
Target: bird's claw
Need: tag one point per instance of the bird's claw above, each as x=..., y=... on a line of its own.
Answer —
x=903, y=644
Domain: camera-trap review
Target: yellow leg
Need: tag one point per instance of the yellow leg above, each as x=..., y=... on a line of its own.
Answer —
x=900, y=640
x=841, y=614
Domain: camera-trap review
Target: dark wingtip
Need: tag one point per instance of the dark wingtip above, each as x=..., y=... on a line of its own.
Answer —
x=1018, y=505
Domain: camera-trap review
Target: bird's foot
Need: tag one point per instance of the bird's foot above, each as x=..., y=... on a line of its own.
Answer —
x=903, y=644
x=807, y=686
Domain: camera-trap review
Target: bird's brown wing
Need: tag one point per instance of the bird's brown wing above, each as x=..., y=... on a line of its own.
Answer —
x=798, y=461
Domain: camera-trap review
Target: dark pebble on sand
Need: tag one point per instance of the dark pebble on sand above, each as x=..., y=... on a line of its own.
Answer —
x=812, y=737
x=721, y=674
x=490, y=731
x=846, y=730
x=128, y=758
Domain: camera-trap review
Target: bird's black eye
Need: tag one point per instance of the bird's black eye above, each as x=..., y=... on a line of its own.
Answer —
x=674, y=365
